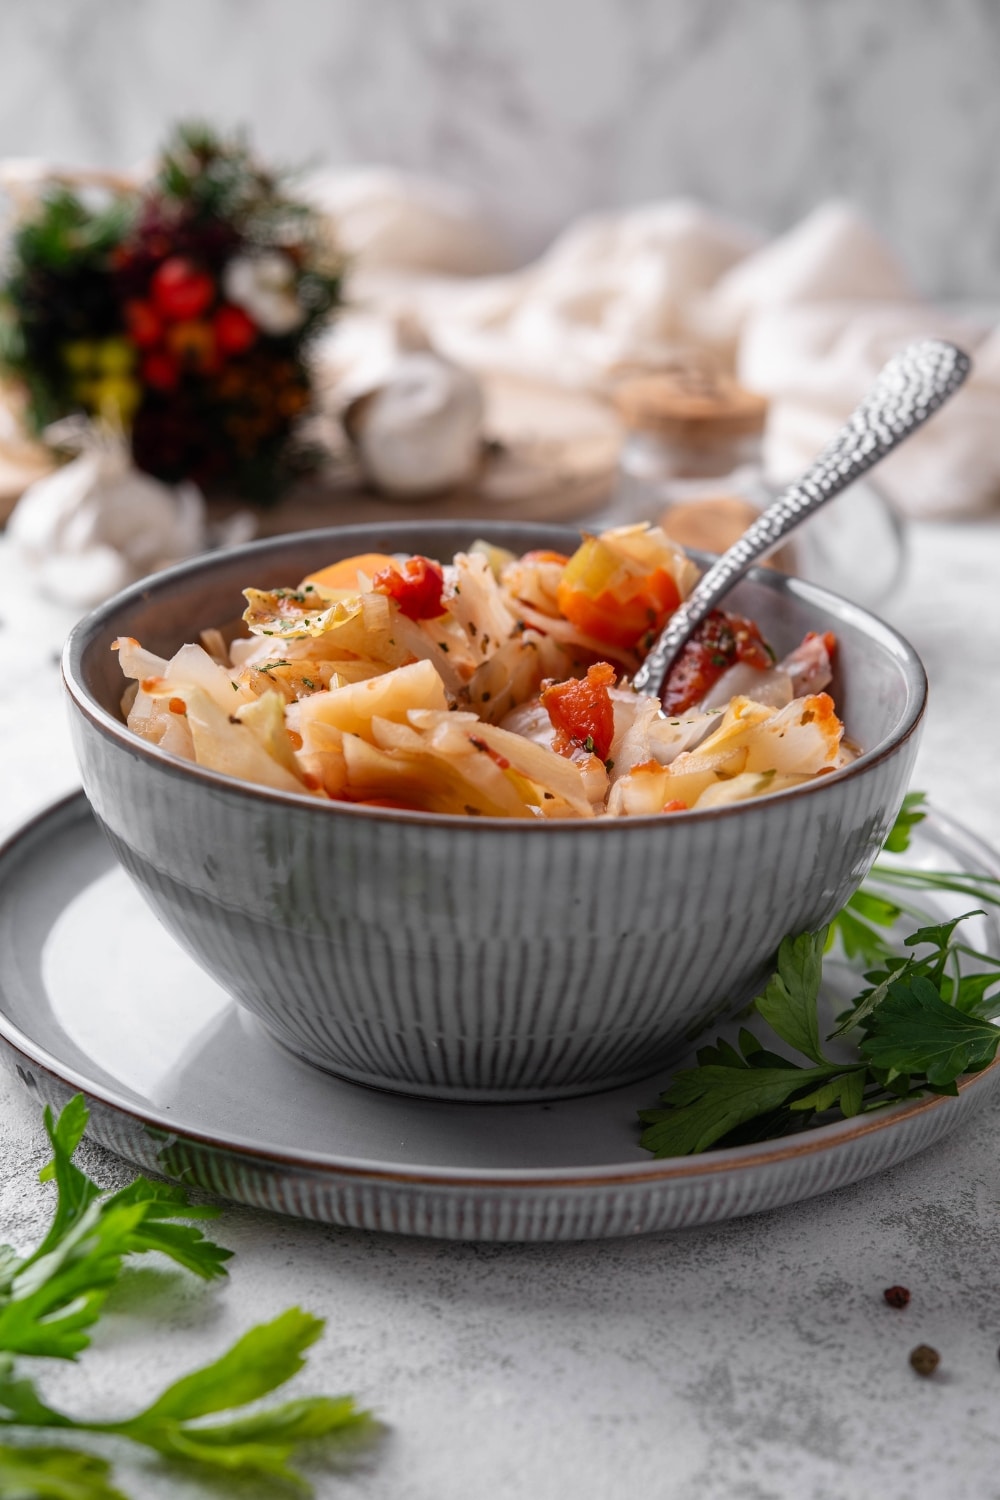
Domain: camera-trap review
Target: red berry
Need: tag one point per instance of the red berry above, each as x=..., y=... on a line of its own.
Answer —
x=180, y=290
x=144, y=327
x=160, y=371
x=234, y=331
x=896, y=1296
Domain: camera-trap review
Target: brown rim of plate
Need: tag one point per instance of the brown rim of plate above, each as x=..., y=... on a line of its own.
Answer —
x=820, y=1138
x=115, y=730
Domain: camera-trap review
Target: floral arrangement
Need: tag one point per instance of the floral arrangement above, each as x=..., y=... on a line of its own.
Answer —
x=181, y=312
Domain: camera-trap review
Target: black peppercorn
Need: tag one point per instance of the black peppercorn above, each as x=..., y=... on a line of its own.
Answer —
x=924, y=1359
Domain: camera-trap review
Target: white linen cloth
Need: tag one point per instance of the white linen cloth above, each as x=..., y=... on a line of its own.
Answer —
x=807, y=320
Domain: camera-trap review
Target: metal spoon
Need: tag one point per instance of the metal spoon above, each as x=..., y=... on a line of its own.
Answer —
x=909, y=389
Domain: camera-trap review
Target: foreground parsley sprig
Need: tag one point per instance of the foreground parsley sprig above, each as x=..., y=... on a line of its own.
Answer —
x=923, y=1021
x=50, y=1300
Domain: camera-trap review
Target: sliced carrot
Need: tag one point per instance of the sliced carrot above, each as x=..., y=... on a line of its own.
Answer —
x=344, y=574
x=609, y=595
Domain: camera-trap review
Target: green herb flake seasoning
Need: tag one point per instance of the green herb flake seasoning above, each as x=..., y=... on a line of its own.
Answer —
x=588, y=744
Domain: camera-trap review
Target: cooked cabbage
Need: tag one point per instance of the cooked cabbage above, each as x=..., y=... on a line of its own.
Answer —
x=434, y=703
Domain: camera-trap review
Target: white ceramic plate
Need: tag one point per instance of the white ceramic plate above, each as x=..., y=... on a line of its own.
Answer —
x=96, y=997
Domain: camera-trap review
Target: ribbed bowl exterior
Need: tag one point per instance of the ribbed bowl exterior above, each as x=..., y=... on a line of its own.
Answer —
x=464, y=960
x=477, y=959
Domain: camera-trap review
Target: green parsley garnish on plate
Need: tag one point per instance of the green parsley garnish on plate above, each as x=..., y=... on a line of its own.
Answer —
x=922, y=1021
x=50, y=1300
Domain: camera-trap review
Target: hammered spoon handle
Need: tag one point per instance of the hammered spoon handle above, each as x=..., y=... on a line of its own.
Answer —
x=909, y=389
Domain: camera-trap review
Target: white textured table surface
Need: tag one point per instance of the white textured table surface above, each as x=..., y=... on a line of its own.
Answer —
x=754, y=1360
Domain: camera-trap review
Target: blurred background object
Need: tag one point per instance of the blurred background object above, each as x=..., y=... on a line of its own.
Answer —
x=552, y=199
x=545, y=109
x=178, y=309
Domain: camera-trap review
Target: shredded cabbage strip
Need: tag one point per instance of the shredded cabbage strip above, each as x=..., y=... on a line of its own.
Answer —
x=341, y=695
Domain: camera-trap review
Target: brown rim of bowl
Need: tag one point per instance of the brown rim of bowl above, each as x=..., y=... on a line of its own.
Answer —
x=115, y=730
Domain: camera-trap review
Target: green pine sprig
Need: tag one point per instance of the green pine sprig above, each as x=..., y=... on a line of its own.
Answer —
x=50, y=1300
x=923, y=1020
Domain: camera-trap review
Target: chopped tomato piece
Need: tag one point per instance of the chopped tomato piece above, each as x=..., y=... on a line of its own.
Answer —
x=416, y=585
x=613, y=597
x=581, y=711
x=675, y=806
x=828, y=638
x=344, y=574
x=720, y=641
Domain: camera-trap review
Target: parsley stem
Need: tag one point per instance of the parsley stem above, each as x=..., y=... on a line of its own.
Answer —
x=984, y=887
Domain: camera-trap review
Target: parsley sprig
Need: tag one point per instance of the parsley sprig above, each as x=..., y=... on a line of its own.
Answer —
x=891, y=892
x=922, y=1021
x=50, y=1299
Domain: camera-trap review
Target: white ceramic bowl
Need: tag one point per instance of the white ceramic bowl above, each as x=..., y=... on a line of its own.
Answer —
x=483, y=959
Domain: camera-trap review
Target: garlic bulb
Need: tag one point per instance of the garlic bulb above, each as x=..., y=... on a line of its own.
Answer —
x=97, y=524
x=419, y=430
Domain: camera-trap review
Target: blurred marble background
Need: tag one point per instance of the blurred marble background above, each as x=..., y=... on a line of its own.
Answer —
x=546, y=108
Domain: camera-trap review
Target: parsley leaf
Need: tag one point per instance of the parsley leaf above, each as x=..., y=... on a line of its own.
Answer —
x=888, y=892
x=259, y=1444
x=50, y=1300
x=912, y=812
x=704, y=1104
x=923, y=1021
x=54, y=1474
x=788, y=1004
x=915, y=1031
